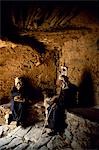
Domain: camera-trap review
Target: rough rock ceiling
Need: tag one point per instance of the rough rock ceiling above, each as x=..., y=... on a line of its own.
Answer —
x=41, y=16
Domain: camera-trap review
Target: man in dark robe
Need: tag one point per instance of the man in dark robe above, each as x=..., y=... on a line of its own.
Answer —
x=18, y=102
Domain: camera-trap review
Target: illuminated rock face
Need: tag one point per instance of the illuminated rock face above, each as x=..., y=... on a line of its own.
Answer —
x=76, y=47
x=80, y=134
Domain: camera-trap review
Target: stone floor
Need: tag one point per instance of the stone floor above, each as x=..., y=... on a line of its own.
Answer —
x=80, y=134
x=34, y=136
x=18, y=138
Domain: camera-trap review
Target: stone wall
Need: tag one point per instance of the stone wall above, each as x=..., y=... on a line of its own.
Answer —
x=18, y=60
x=77, y=48
x=81, y=133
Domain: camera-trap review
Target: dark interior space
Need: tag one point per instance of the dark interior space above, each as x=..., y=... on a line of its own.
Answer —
x=41, y=10
x=37, y=40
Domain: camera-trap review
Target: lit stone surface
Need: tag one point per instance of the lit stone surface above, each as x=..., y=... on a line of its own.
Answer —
x=21, y=146
x=80, y=134
x=33, y=134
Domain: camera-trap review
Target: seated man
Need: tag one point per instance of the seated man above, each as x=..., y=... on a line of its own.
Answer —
x=18, y=99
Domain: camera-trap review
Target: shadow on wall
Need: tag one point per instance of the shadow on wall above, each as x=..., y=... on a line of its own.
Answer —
x=86, y=91
x=32, y=93
x=26, y=40
x=70, y=95
x=4, y=100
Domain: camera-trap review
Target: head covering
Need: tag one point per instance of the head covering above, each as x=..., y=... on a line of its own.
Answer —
x=18, y=83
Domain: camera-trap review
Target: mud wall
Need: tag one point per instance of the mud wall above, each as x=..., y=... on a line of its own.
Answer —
x=77, y=48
